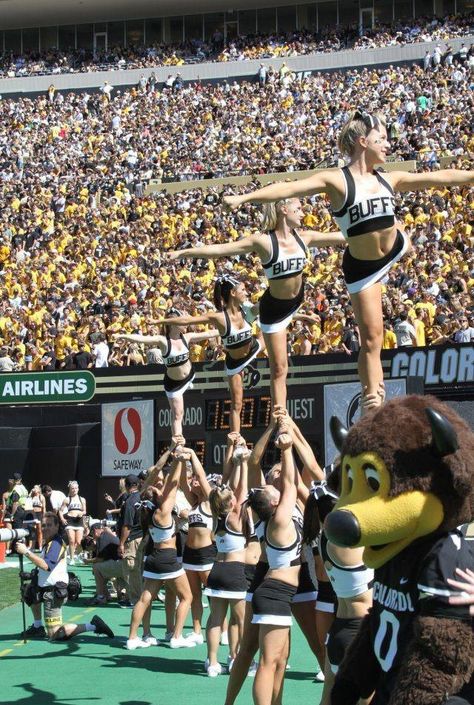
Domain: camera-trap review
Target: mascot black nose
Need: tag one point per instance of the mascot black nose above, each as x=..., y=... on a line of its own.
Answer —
x=342, y=528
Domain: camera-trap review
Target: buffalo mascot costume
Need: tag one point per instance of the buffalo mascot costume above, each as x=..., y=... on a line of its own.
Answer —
x=407, y=483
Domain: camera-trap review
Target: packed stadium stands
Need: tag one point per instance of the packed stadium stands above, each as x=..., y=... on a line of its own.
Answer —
x=81, y=244
x=260, y=46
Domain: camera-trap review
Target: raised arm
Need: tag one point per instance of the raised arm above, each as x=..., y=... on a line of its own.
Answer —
x=324, y=181
x=306, y=455
x=241, y=488
x=227, y=466
x=258, y=451
x=161, y=462
x=200, y=473
x=227, y=249
x=170, y=487
x=406, y=181
x=284, y=511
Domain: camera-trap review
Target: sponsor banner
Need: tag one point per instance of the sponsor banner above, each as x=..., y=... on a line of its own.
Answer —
x=127, y=438
x=343, y=400
x=439, y=366
x=46, y=387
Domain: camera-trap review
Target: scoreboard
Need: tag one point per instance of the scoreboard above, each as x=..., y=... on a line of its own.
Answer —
x=207, y=422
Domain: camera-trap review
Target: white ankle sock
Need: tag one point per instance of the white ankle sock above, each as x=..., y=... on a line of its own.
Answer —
x=38, y=623
x=90, y=627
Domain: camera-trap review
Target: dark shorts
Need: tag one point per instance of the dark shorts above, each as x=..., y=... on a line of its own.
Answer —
x=360, y=274
x=261, y=569
x=74, y=522
x=234, y=367
x=199, y=559
x=306, y=591
x=326, y=599
x=227, y=580
x=340, y=637
x=176, y=388
x=276, y=314
x=162, y=564
x=271, y=603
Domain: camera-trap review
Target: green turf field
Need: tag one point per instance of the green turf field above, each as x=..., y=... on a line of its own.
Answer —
x=92, y=669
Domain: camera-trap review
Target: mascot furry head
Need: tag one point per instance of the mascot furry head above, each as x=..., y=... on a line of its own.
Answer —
x=407, y=484
x=407, y=471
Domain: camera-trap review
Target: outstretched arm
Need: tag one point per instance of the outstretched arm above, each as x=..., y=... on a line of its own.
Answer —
x=324, y=181
x=146, y=339
x=205, y=335
x=208, y=318
x=315, y=238
x=406, y=181
x=227, y=249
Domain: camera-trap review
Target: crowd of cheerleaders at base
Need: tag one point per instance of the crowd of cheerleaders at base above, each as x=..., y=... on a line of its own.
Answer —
x=249, y=546
x=363, y=205
x=254, y=545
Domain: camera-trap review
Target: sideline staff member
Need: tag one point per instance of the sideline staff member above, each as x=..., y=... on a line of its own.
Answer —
x=51, y=589
x=130, y=533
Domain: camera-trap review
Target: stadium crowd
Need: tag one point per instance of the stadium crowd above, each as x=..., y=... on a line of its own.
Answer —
x=252, y=46
x=82, y=247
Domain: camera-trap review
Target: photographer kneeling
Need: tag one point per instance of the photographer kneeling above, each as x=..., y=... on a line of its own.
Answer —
x=51, y=586
x=106, y=564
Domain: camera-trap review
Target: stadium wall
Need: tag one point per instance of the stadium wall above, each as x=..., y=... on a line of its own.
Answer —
x=219, y=71
x=54, y=443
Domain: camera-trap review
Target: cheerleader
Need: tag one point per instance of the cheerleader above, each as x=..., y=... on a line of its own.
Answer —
x=351, y=581
x=179, y=372
x=226, y=584
x=71, y=515
x=199, y=549
x=363, y=205
x=161, y=563
x=38, y=503
x=233, y=319
x=272, y=599
x=283, y=253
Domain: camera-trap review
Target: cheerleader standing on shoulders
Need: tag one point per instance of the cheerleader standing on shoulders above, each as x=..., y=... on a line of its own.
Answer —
x=226, y=584
x=161, y=564
x=199, y=550
x=233, y=320
x=179, y=372
x=271, y=601
x=283, y=252
x=363, y=205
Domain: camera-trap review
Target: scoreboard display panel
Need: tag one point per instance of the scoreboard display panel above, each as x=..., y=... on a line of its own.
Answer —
x=206, y=422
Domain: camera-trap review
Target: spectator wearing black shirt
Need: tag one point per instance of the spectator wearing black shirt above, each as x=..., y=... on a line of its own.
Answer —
x=130, y=534
x=83, y=360
x=350, y=339
x=106, y=564
x=48, y=361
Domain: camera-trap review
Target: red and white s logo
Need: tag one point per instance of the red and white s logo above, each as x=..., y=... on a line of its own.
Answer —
x=127, y=431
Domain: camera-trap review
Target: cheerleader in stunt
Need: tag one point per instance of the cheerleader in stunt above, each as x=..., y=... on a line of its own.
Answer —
x=233, y=320
x=283, y=251
x=179, y=373
x=363, y=205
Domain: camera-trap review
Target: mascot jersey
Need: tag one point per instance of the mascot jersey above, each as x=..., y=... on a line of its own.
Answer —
x=413, y=584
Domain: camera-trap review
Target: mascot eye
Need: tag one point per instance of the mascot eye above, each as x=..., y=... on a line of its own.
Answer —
x=372, y=477
x=350, y=478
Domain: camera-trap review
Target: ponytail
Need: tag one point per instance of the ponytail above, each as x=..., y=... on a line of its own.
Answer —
x=222, y=289
x=359, y=124
x=269, y=217
x=270, y=214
